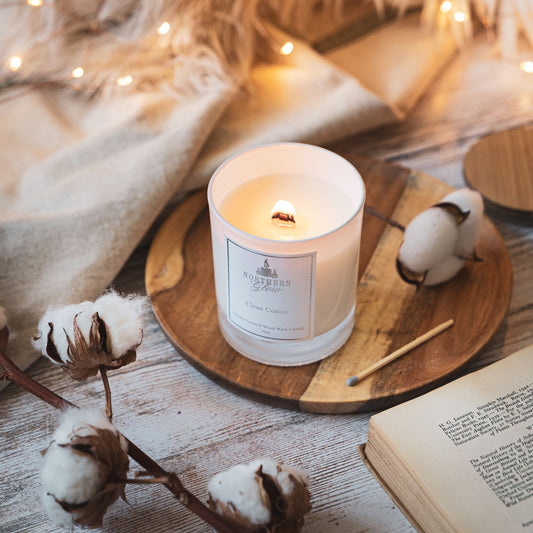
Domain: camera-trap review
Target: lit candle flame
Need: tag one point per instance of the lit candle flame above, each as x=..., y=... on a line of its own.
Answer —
x=445, y=6
x=460, y=16
x=283, y=214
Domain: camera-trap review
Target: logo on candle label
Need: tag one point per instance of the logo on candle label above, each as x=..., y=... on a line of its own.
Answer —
x=266, y=271
x=266, y=279
x=271, y=296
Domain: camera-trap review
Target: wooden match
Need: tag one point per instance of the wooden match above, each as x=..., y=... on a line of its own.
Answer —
x=398, y=353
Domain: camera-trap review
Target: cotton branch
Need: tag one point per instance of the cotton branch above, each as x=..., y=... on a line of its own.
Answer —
x=107, y=389
x=10, y=372
x=373, y=212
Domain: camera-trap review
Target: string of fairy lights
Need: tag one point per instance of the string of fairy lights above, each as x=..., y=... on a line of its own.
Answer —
x=454, y=10
x=15, y=63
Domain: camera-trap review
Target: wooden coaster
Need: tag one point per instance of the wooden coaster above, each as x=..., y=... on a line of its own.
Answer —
x=500, y=167
x=389, y=313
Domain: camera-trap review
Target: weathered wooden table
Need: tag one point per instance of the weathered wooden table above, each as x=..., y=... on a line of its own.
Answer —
x=196, y=428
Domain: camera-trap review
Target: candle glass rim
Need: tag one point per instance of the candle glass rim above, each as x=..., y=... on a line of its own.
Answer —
x=285, y=243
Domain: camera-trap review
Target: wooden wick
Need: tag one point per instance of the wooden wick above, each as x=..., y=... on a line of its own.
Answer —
x=398, y=353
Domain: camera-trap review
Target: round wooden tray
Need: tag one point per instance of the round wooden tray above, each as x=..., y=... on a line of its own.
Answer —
x=389, y=313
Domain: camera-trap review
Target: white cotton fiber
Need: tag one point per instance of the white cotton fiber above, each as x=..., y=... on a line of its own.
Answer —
x=123, y=318
x=444, y=270
x=62, y=319
x=471, y=201
x=429, y=238
x=238, y=485
x=79, y=421
x=67, y=475
x=55, y=512
x=122, y=315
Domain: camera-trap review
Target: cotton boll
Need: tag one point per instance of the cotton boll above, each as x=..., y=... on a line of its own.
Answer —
x=62, y=319
x=83, y=468
x=88, y=337
x=262, y=496
x=444, y=270
x=472, y=202
x=283, y=473
x=438, y=240
x=429, y=238
x=293, y=486
x=123, y=318
x=238, y=487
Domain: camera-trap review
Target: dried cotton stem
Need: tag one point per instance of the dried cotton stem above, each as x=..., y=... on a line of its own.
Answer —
x=107, y=389
x=373, y=212
x=4, y=337
x=11, y=372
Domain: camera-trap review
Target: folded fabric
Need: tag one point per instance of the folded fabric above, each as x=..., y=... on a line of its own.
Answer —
x=323, y=98
x=84, y=179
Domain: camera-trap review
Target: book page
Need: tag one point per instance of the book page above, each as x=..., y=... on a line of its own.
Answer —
x=469, y=444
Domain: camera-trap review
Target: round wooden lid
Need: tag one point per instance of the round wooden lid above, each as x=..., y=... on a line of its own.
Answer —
x=500, y=167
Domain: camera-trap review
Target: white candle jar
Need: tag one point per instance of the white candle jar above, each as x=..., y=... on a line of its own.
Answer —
x=286, y=283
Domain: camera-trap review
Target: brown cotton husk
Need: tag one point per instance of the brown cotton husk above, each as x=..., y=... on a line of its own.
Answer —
x=298, y=502
x=104, y=447
x=409, y=276
x=457, y=213
x=288, y=510
x=85, y=358
x=235, y=519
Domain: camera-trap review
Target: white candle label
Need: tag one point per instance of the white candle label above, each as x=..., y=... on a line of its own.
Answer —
x=272, y=296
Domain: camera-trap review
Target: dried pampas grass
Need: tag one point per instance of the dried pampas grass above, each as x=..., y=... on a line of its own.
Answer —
x=205, y=41
x=504, y=21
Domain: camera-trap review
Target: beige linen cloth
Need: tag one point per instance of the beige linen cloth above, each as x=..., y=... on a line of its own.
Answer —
x=82, y=181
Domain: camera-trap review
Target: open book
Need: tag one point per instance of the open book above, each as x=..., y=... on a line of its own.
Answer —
x=460, y=458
